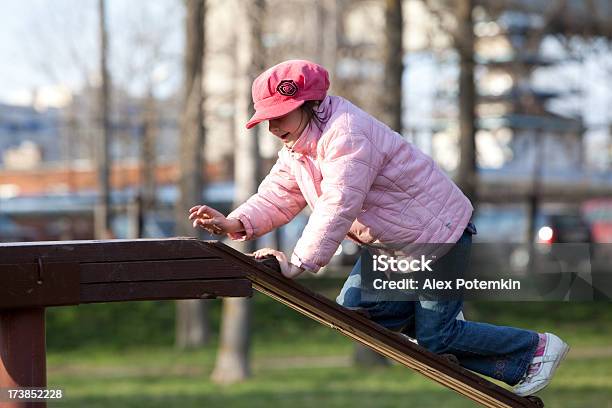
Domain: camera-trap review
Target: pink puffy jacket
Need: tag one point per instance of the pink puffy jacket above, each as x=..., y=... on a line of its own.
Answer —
x=361, y=180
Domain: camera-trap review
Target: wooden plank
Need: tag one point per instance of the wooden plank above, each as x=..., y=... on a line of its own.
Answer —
x=165, y=290
x=116, y=250
x=172, y=269
x=39, y=284
x=56, y=270
x=388, y=343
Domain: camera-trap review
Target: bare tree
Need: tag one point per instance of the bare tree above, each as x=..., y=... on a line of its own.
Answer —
x=191, y=325
x=391, y=100
x=233, y=358
x=394, y=66
x=455, y=18
x=148, y=160
x=103, y=211
x=464, y=43
x=142, y=66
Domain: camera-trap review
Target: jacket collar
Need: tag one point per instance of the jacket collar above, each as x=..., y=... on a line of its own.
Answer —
x=306, y=144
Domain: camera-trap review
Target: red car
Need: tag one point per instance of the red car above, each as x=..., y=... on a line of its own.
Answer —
x=598, y=213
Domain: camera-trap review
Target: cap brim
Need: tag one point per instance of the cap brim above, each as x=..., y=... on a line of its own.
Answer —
x=273, y=112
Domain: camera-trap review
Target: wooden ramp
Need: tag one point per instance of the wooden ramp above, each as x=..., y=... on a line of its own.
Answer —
x=266, y=278
x=37, y=275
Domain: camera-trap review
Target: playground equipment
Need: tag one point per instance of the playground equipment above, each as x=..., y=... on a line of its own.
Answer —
x=36, y=275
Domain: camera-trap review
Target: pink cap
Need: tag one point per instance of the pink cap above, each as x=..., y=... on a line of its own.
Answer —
x=285, y=87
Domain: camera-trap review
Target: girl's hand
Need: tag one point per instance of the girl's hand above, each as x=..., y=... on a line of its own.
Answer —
x=288, y=270
x=213, y=221
x=280, y=256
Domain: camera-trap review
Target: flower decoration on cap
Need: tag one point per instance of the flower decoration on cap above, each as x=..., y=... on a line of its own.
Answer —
x=287, y=87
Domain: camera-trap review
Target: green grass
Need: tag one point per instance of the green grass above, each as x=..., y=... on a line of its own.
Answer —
x=586, y=383
x=121, y=355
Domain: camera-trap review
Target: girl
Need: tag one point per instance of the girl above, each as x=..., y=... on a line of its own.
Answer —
x=365, y=182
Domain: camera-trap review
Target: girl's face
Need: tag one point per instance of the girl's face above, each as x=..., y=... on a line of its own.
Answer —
x=288, y=128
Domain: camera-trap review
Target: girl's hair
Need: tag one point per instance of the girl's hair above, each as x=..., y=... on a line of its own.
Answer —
x=318, y=117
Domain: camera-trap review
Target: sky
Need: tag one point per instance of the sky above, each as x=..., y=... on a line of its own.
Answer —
x=50, y=45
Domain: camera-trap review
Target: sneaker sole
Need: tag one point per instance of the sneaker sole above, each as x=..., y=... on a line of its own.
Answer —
x=543, y=385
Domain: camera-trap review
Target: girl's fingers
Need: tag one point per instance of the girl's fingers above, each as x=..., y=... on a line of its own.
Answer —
x=194, y=208
x=214, y=227
x=209, y=222
x=194, y=215
x=258, y=254
x=265, y=251
x=198, y=222
x=209, y=225
x=203, y=210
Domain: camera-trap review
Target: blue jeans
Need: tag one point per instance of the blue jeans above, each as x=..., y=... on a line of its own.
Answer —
x=500, y=352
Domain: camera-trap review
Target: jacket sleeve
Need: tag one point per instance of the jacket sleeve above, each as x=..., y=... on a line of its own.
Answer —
x=349, y=165
x=277, y=201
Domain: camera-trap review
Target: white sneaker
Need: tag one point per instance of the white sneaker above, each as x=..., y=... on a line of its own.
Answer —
x=409, y=338
x=554, y=352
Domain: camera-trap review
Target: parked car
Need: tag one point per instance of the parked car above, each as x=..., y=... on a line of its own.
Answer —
x=562, y=227
x=502, y=240
x=563, y=242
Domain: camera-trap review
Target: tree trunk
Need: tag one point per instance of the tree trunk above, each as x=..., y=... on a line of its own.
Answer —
x=321, y=42
x=233, y=358
x=149, y=157
x=464, y=43
x=533, y=202
x=145, y=200
x=392, y=103
x=233, y=363
x=394, y=66
x=103, y=211
x=192, y=323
